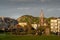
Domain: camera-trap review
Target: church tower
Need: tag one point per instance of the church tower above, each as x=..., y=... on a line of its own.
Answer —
x=41, y=18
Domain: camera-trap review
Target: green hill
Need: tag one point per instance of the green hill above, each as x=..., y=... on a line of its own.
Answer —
x=26, y=18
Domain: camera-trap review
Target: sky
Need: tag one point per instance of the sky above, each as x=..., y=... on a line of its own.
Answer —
x=17, y=8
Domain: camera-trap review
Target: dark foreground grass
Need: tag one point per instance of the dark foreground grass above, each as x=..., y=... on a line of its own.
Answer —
x=13, y=37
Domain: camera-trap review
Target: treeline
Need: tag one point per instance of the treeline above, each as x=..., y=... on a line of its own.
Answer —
x=11, y=25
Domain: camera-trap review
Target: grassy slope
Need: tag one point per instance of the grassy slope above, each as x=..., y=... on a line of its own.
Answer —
x=9, y=37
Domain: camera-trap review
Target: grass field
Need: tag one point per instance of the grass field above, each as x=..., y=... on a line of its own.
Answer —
x=11, y=37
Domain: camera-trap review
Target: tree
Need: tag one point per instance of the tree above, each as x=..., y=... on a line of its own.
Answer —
x=29, y=25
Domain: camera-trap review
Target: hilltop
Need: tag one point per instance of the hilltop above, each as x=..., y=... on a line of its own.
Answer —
x=26, y=18
x=7, y=22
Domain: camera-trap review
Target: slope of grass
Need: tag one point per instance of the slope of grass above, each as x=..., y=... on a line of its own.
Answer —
x=14, y=37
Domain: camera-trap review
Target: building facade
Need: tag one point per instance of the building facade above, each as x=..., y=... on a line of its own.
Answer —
x=58, y=25
x=55, y=25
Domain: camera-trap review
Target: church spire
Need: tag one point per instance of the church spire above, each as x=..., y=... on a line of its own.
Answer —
x=41, y=13
x=41, y=18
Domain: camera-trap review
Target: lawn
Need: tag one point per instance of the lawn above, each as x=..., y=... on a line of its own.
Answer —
x=14, y=37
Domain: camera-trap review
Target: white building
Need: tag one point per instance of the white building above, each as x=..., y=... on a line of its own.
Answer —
x=34, y=26
x=23, y=24
x=55, y=25
x=58, y=24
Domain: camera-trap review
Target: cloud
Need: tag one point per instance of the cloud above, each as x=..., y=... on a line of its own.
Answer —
x=53, y=9
x=23, y=0
x=42, y=0
x=23, y=8
x=30, y=0
x=27, y=8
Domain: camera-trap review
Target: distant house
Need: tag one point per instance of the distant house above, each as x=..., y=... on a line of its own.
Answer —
x=22, y=24
x=34, y=26
x=25, y=24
